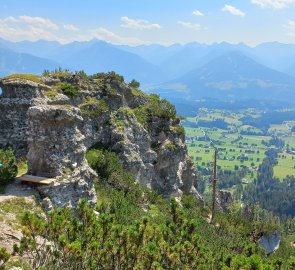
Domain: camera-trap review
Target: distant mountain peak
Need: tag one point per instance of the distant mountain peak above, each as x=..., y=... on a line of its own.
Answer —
x=235, y=75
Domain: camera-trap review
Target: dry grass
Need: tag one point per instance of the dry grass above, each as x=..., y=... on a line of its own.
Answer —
x=28, y=77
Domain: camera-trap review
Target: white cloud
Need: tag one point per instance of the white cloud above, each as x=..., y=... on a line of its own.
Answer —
x=39, y=22
x=190, y=25
x=277, y=4
x=36, y=28
x=233, y=10
x=109, y=36
x=138, y=23
x=290, y=27
x=9, y=19
x=71, y=27
x=23, y=28
x=198, y=13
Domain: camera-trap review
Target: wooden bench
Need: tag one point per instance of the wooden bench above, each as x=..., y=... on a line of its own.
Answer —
x=36, y=179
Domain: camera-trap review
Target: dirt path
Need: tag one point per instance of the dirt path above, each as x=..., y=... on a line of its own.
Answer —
x=18, y=197
x=17, y=189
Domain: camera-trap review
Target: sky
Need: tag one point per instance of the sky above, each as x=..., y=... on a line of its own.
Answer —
x=136, y=22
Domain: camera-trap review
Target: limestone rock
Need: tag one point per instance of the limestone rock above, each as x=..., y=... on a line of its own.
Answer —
x=224, y=199
x=17, y=97
x=55, y=131
x=271, y=242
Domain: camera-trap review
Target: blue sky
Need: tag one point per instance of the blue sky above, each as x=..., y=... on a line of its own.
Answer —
x=149, y=21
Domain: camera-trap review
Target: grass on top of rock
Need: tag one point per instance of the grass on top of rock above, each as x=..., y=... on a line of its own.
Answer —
x=50, y=93
x=94, y=107
x=170, y=145
x=28, y=77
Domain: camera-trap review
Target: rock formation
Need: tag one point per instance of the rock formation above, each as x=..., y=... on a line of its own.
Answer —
x=270, y=242
x=54, y=119
x=224, y=200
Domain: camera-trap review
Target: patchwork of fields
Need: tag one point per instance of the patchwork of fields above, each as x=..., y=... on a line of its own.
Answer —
x=239, y=145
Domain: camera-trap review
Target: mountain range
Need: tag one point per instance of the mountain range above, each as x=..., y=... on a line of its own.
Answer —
x=189, y=71
x=16, y=62
x=231, y=75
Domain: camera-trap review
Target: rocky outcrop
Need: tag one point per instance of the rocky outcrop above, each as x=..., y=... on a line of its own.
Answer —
x=17, y=97
x=270, y=242
x=54, y=130
x=55, y=140
x=224, y=200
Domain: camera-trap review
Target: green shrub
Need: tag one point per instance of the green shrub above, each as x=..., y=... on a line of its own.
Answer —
x=161, y=108
x=68, y=89
x=181, y=117
x=134, y=84
x=141, y=115
x=87, y=241
x=94, y=107
x=97, y=161
x=22, y=166
x=59, y=72
x=125, y=236
x=9, y=170
x=189, y=202
x=113, y=76
x=98, y=76
x=109, y=169
x=154, y=107
x=81, y=74
x=115, y=184
x=4, y=256
x=178, y=129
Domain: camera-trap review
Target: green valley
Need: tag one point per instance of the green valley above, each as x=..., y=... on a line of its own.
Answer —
x=241, y=138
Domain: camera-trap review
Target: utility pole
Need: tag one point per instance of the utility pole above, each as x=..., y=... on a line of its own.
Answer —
x=214, y=185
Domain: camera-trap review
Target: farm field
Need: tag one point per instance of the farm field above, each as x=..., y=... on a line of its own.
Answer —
x=240, y=145
x=286, y=166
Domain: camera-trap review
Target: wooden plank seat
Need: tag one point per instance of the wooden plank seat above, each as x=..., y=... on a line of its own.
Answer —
x=36, y=179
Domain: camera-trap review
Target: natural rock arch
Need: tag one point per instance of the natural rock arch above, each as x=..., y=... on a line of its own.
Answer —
x=55, y=130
